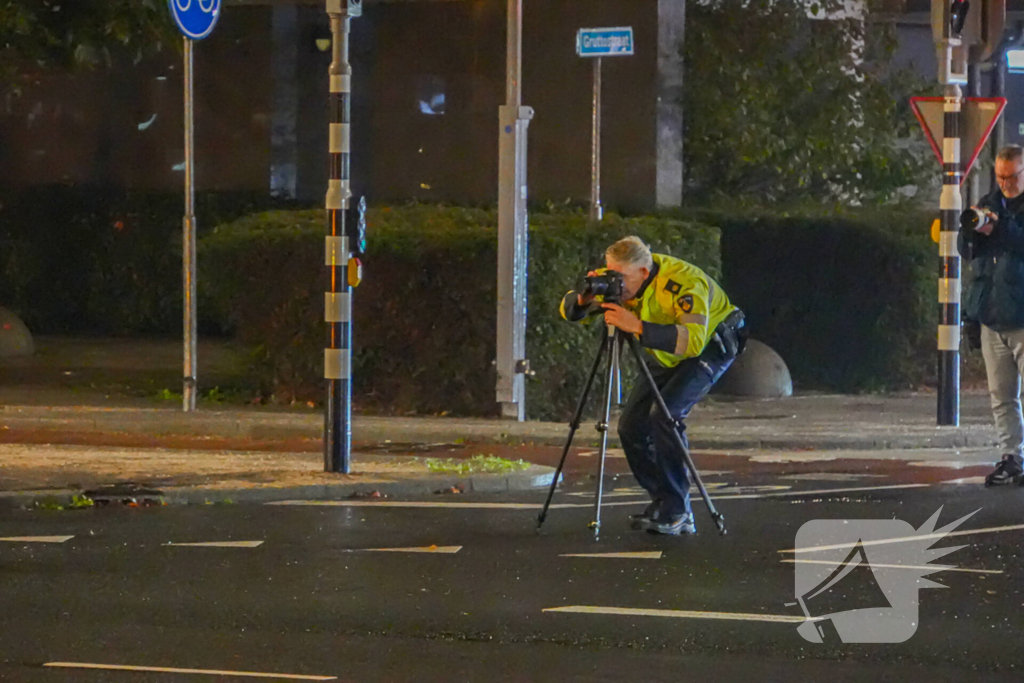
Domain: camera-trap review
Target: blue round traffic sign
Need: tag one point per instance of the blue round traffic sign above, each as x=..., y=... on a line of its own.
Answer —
x=195, y=18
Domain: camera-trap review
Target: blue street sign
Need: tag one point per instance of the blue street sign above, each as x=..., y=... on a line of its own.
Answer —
x=605, y=42
x=195, y=18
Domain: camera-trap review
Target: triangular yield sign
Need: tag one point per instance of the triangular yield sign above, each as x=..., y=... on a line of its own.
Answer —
x=978, y=118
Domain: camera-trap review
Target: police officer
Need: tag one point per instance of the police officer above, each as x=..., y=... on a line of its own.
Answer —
x=692, y=334
x=994, y=250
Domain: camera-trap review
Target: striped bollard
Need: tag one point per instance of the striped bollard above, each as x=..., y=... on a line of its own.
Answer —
x=951, y=207
x=338, y=301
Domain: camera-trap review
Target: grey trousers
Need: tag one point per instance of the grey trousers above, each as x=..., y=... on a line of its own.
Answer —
x=1004, y=365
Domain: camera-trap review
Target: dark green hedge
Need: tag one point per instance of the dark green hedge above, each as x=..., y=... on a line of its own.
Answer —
x=424, y=316
x=76, y=259
x=848, y=301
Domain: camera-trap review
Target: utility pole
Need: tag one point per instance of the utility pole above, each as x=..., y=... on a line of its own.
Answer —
x=513, y=226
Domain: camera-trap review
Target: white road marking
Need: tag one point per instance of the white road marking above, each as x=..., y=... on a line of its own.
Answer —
x=830, y=476
x=422, y=504
x=681, y=614
x=444, y=549
x=964, y=481
x=945, y=568
x=615, y=453
x=221, y=544
x=904, y=539
x=852, y=489
x=951, y=464
x=793, y=457
x=718, y=488
x=37, y=539
x=169, y=670
x=654, y=555
x=565, y=506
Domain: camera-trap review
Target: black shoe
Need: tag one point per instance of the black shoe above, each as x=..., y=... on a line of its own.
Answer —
x=676, y=525
x=1008, y=471
x=644, y=519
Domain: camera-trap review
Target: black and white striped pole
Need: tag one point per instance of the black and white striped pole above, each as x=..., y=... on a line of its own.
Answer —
x=948, y=21
x=950, y=206
x=338, y=248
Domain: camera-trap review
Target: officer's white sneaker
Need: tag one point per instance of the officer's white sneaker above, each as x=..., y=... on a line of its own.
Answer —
x=676, y=525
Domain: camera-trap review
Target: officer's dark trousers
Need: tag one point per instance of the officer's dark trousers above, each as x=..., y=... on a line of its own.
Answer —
x=646, y=436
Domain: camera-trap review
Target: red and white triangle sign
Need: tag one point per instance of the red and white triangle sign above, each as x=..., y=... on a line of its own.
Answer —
x=978, y=118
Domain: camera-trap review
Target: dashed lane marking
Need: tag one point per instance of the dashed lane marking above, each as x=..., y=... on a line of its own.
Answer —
x=170, y=670
x=933, y=567
x=905, y=539
x=443, y=549
x=36, y=539
x=682, y=614
x=654, y=555
x=220, y=544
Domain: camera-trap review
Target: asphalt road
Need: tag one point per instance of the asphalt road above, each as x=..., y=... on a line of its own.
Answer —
x=310, y=597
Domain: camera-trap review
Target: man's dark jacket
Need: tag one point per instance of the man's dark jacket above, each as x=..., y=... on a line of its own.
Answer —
x=994, y=277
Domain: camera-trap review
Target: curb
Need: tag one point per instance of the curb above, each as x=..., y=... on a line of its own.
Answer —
x=531, y=479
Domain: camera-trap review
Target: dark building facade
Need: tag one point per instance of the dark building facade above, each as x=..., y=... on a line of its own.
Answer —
x=429, y=76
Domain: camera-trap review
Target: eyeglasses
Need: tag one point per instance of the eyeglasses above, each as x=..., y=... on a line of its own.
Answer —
x=1008, y=178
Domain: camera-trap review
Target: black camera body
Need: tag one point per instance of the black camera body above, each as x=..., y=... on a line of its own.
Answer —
x=608, y=285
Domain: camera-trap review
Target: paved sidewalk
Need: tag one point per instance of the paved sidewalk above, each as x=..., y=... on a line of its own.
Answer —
x=32, y=472
x=812, y=422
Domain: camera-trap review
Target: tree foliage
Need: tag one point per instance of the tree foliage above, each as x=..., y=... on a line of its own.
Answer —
x=37, y=34
x=780, y=105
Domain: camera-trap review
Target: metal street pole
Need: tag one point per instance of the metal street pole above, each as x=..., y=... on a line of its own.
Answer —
x=596, y=210
x=189, y=241
x=513, y=224
x=950, y=206
x=973, y=90
x=338, y=251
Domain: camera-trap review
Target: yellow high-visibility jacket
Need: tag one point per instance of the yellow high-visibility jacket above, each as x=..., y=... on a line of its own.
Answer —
x=679, y=305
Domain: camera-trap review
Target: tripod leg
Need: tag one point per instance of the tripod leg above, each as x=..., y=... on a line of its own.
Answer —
x=718, y=518
x=602, y=427
x=617, y=357
x=573, y=426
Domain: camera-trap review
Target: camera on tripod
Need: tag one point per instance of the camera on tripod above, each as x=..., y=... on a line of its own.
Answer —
x=978, y=220
x=608, y=284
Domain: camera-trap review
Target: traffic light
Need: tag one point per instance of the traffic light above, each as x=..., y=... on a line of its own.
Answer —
x=958, y=10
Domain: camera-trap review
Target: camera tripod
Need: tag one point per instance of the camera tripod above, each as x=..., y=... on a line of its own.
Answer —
x=610, y=349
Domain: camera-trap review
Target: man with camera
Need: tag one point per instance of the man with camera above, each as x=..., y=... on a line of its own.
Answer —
x=692, y=333
x=991, y=240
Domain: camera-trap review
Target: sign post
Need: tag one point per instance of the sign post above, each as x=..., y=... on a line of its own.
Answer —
x=597, y=43
x=513, y=228
x=195, y=19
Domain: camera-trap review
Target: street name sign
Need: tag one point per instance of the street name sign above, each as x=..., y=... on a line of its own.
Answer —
x=605, y=42
x=979, y=117
x=195, y=18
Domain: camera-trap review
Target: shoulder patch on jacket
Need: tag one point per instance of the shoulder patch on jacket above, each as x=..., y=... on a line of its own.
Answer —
x=685, y=303
x=673, y=287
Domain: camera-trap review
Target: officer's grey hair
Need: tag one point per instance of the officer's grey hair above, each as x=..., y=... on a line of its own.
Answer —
x=631, y=250
x=1011, y=153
